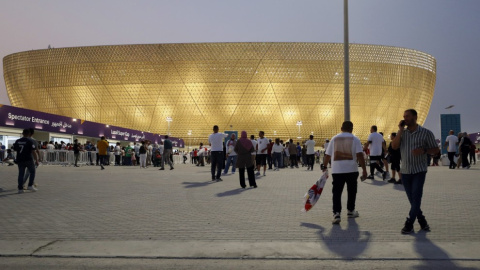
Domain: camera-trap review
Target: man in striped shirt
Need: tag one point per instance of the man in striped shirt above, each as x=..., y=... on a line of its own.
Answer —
x=414, y=142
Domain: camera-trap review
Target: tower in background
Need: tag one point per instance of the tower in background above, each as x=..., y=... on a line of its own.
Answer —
x=449, y=122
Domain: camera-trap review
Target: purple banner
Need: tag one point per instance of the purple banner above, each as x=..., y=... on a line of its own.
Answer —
x=475, y=137
x=22, y=118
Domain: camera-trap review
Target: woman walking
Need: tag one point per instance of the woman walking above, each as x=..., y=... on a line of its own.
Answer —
x=244, y=149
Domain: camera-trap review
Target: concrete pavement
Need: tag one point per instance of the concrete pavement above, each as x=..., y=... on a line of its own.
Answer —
x=135, y=213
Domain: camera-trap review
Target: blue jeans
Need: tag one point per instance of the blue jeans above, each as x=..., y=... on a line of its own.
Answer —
x=413, y=184
x=277, y=160
x=30, y=165
x=216, y=160
x=233, y=160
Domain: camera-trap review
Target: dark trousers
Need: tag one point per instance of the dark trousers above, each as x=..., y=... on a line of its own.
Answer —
x=375, y=164
x=413, y=184
x=472, y=156
x=102, y=159
x=77, y=157
x=339, y=181
x=269, y=161
x=200, y=161
x=311, y=160
x=452, y=165
x=30, y=166
x=293, y=161
x=117, y=160
x=251, y=177
x=216, y=160
x=465, y=162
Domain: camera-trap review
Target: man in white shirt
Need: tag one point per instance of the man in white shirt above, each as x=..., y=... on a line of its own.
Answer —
x=375, y=144
x=262, y=147
x=254, y=154
x=451, y=142
x=118, y=154
x=216, y=152
x=344, y=150
x=310, y=144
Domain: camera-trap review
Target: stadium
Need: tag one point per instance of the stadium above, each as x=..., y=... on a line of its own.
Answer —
x=288, y=90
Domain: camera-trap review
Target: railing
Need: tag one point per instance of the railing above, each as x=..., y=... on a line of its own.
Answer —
x=67, y=158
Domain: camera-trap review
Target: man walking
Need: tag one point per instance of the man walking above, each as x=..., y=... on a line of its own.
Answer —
x=76, y=151
x=231, y=154
x=310, y=144
x=415, y=143
x=261, y=159
x=25, y=157
x=451, y=143
x=343, y=151
x=375, y=142
x=292, y=150
x=167, y=152
x=269, y=154
x=200, y=154
x=102, y=146
x=216, y=155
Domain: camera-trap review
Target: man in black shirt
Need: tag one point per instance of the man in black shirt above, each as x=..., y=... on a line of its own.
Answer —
x=26, y=153
x=395, y=158
x=76, y=151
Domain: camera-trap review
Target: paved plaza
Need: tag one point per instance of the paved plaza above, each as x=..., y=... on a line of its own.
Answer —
x=146, y=213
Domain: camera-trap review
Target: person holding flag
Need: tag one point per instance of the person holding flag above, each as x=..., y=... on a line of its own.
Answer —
x=343, y=151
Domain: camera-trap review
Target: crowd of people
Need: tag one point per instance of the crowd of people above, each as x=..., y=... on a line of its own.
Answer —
x=409, y=154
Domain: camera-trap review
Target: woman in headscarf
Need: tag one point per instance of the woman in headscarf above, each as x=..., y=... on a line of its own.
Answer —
x=244, y=149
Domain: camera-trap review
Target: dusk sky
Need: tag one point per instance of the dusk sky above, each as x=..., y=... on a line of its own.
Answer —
x=448, y=30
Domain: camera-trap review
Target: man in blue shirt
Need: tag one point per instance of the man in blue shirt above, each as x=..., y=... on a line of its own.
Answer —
x=25, y=157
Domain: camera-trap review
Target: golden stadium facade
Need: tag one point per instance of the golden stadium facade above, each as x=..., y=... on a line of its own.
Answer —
x=238, y=86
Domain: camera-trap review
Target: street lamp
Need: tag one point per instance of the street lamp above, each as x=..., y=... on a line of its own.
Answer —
x=169, y=119
x=299, y=124
x=346, y=63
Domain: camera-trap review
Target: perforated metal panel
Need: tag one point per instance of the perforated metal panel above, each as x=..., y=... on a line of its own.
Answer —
x=238, y=86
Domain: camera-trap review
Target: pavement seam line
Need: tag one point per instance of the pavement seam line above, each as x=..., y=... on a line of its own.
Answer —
x=240, y=258
x=44, y=246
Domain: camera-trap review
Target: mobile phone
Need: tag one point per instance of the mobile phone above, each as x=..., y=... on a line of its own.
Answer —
x=402, y=123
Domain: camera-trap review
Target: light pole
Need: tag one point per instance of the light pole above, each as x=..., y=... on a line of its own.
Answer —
x=169, y=119
x=189, y=139
x=299, y=124
x=346, y=68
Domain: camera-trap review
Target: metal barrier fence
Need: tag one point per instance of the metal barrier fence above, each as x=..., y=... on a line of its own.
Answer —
x=85, y=158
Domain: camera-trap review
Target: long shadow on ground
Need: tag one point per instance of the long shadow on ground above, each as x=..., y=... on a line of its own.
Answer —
x=348, y=243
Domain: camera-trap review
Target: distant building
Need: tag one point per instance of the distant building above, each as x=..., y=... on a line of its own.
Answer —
x=449, y=122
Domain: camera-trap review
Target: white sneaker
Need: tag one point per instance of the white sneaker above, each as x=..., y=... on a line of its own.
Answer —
x=264, y=174
x=336, y=218
x=32, y=188
x=379, y=174
x=353, y=214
